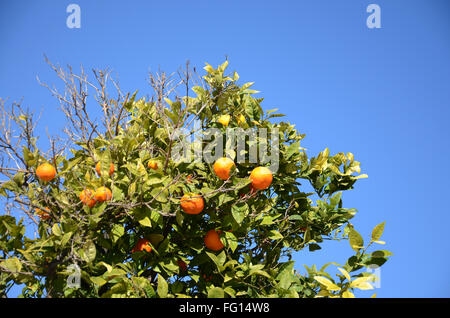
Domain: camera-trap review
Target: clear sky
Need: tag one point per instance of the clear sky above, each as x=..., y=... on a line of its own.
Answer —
x=382, y=94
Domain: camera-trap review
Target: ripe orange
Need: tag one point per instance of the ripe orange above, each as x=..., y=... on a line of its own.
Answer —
x=102, y=194
x=192, y=203
x=142, y=245
x=46, y=172
x=87, y=197
x=222, y=167
x=261, y=178
x=98, y=168
x=224, y=120
x=189, y=178
x=182, y=264
x=212, y=240
x=43, y=214
x=152, y=164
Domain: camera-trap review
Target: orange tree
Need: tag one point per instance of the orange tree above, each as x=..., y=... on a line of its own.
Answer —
x=115, y=209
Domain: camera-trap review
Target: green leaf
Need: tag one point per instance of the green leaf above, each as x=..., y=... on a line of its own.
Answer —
x=275, y=235
x=356, y=240
x=239, y=212
x=145, y=222
x=66, y=237
x=216, y=292
x=314, y=247
x=259, y=272
x=163, y=288
x=292, y=149
x=231, y=241
x=378, y=231
x=56, y=229
x=89, y=252
x=117, y=231
x=12, y=264
x=98, y=281
x=218, y=261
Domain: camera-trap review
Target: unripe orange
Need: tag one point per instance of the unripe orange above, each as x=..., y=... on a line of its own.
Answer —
x=212, y=240
x=222, y=167
x=98, y=168
x=102, y=194
x=46, y=172
x=261, y=178
x=192, y=203
x=142, y=245
x=87, y=197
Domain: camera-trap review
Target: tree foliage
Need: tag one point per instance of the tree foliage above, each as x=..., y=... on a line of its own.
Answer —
x=260, y=230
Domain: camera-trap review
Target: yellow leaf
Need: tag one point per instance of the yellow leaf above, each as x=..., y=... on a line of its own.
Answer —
x=348, y=294
x=327, y=283
x=345, y=273
x=362, y=283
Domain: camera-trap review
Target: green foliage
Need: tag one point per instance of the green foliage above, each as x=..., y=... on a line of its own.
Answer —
x=258, y=229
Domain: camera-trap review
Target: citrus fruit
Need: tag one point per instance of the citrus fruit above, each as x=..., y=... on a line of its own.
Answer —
x=142, y=245
x=182, y=264
x=43, y=214
x=46, y=172
x=192, y=203
x=152, y=164
x=212, y=240
x=261, y=178
x=102, y=194
x=87, y=197
x=98, y=168
x=224, y=120
x=222, y=167
x=241, y=119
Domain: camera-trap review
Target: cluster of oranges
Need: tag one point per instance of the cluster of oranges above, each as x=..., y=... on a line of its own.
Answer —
x=191, y=203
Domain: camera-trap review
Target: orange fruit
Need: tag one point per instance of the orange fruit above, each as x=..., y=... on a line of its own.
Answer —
x=102, y=194
x=189, y=178
x=142, y=245
x=87, y=197
x=182, y=264
x=224, y=120
x=261, y=178
x=192, y=203
x=222, y=167
x=98, y=168
x=46, y=172
x=152, y=164
x=43, y=214
x=212, y=240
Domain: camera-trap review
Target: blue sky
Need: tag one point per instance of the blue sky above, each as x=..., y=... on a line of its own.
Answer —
x=382, y=94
